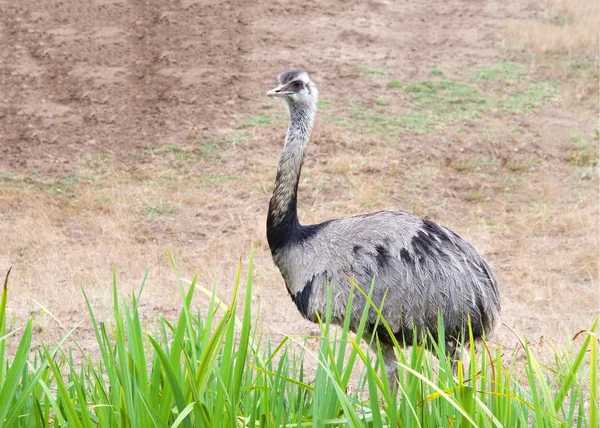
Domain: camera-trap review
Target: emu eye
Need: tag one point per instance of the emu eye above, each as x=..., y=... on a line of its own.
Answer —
x=298, y=85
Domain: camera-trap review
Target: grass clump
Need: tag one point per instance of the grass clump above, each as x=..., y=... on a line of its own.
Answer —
x=371, y=71
x=439, y=102
x=64, y=187
x=447, y=97
x=534, y=95
x=261, y=119
x=436, y=71
x=464, y=167
x=212, y=180
x=212, y=369
x=435, y=103
x=212, y=150
x=167, y=148
x=100, y=160
x=583, y=152
x=364, y=119
x=518, y=167
x=505, y=71
x=474, y=196
x=518, y=93
x=157, y=209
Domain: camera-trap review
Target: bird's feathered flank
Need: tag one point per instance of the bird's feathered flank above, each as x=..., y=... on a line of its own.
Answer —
x=421, y=268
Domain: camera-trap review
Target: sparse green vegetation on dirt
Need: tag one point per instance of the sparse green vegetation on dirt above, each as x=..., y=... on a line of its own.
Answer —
x=432, y=105
x=128, y=127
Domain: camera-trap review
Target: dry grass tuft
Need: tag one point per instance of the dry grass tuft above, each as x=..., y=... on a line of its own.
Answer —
x=563, y=26
x=563, y=42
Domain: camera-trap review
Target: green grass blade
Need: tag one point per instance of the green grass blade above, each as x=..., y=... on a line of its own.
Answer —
x=154, y=416
x=124, y=374
x=373, y=386
x=101, y=343
x=125, y=420
x=240, y=362
x=58, y=415
x=568, y=382
x=171, y=377
x=25, y=394
x=183, y=415
x=537, y=404
x=210, y=352
x=304, y=385
x=545, y=388
x=15, y=371
x=467, y=399
x=594, y=381
x=63, y=393
x=442, y=394
x=3, y=336
x=84, y=413
x=359, y=332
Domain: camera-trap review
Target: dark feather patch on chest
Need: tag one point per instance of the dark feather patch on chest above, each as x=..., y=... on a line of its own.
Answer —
x=302, y=299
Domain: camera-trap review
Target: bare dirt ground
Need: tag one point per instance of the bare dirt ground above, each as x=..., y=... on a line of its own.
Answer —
x=128, y=126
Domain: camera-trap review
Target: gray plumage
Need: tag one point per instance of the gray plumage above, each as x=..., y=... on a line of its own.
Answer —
x=420, y=267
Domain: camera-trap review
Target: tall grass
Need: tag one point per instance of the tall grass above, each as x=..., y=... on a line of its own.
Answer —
x=213, y=369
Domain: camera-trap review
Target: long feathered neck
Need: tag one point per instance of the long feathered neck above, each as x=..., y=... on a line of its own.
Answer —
x=282, y=221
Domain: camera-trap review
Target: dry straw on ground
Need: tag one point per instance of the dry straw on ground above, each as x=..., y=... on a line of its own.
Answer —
x=561, y=26
x=166, y=140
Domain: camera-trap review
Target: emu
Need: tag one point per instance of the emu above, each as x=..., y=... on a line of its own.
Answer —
x=419, y=269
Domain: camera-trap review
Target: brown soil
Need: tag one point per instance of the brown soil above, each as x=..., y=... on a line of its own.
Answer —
x=82, y=82
x=119, y=76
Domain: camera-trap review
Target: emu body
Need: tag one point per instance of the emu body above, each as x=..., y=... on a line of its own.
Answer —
x=420, y=269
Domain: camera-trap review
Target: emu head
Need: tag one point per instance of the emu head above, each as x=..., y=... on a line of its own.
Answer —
x=296, y=88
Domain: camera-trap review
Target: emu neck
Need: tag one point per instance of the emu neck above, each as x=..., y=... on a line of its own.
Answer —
x=282, y=221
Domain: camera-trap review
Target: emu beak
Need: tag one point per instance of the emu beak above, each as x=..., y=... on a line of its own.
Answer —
x=279, y=91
